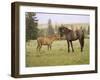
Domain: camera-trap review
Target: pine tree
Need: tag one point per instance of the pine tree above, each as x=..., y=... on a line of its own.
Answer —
x=88, y=30
x=50, y=30
x=56, y=29
x=31, y=26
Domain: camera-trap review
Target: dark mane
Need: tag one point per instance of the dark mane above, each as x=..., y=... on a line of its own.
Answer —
x=65, y=29
x=68, y=29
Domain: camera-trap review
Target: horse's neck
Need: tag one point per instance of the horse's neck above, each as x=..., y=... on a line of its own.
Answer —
x=67, y=30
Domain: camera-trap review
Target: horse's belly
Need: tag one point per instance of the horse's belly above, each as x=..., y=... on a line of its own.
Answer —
x=45, y=43
x=71, y=37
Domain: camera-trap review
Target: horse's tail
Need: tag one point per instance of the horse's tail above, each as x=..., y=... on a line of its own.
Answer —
x=82, y=40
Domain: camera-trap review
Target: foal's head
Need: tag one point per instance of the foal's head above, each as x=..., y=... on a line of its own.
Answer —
x=57, y=37
x=54, y=37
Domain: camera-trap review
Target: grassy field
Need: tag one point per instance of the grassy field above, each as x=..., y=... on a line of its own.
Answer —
x=58, y=55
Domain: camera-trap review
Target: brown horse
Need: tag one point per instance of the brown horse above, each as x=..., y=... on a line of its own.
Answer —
x=72, y=36
x=46, y=41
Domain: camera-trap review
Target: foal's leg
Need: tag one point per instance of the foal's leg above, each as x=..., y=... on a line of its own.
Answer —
x=48, y=46
x=40, y=47
x=68, y=46
x=72, y=46
x=37, y=47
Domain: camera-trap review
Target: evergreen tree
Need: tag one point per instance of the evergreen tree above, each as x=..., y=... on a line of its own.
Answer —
x=56, y=29
x=31, y=26
x=88, y=30
x=42, y=32
x=50, y=30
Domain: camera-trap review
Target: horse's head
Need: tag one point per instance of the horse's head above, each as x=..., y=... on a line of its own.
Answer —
x=61, y=30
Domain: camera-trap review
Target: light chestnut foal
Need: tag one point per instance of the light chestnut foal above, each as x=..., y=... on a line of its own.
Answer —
x=46, y=41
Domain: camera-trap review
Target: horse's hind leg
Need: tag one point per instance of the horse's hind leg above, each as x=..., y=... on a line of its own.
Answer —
x=37, y=47
x=72, y=46
x=49, y=47
x=81, y=44
x=68, y=46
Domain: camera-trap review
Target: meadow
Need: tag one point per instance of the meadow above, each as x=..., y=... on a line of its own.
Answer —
x=58, y=55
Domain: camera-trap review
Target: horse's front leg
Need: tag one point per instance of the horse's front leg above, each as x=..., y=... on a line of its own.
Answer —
x=72, y=46
x=40, y=46
x=68, y=46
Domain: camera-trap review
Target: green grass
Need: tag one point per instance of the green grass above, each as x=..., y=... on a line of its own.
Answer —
x=58, y=55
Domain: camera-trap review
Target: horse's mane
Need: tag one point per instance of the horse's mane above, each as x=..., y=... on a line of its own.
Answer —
x=67, y=29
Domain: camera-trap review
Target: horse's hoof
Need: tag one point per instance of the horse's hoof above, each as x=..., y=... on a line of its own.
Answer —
x=68, y=51
x=73, y=51
x=81, y=50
